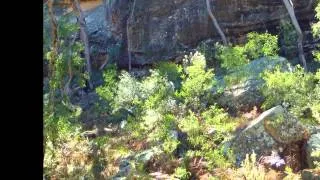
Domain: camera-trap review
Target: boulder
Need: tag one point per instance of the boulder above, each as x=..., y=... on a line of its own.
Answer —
x=246, y=94
x=145, y=155
x=284, y=127
x=313, y=129
x=313, y=150
x=271, y=132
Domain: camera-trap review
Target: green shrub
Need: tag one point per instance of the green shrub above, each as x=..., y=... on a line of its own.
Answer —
x=190, y=125
x=61, y=137
x=288, y=32
x=60, y=116
x=128, y=92
x=237, y=77
x=258, y=45
x=290, y=175
x=250, y=169
x=218, y=120
x=316, y=30
x=147, y=93
x=205, y=133
x=170, y=145
x=134, y=127
x=151, y=119
x=159, y=110
x=214, y=119
x=197, y=81
x=218, y=159
x=315, y=105
x=298, y=88
x=155, y=89
x=69, y=160
x=161, y=130
x=108, y=90
x=181, y=173
x=61, y=123
x=172, y=71
x=316, y=26
x=150, y=99
x=261, y=45
x=66, y=52
x=231, y=57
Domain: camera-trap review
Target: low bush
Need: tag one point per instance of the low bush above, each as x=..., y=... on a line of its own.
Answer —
x=298, y=88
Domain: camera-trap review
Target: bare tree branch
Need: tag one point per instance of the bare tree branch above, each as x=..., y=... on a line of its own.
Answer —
x=289, y=6
x=215, y=23
x=67, y=85
x=54, y=50
x=84, y=37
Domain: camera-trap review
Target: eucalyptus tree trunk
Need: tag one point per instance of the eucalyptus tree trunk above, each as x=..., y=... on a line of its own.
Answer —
x=289, y=6
x=54, y=52
x=107, y=14
x=84, y=37
x=51, y=68
x=67, y=89
x=215, y=23
x=128, y=35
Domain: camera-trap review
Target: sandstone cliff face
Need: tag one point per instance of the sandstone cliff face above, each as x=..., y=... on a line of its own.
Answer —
x=163, y=29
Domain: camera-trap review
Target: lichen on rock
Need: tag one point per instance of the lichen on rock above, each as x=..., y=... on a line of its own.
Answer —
x=263, y=139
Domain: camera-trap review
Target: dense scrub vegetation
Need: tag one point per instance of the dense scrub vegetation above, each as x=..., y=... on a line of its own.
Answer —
x=316, y=30
x=168, y=121
x=258, y=45
x=297, y=88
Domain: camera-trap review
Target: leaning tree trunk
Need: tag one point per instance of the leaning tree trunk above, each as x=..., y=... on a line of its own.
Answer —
x=289, y=6
x=215, y=23
x=67, y=89
x=107, y=14
x=84, y=38
x=54, y=51
x=128, y=34
x=52, y=58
